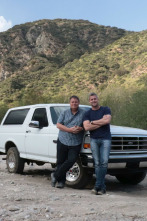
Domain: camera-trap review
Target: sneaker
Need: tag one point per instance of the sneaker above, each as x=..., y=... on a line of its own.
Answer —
x=94, y=191
x=101, y=192
x=60, y=184
x=53, y=180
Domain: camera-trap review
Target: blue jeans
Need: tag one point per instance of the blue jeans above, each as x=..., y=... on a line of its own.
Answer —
x=100, y=150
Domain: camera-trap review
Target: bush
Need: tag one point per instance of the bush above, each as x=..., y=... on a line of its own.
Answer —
x=128, y=107
x=3, y=108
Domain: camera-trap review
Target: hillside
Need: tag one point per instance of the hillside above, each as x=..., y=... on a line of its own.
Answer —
x=35, y=50
x=125, y=57
x=50, y=44
x=48, y=60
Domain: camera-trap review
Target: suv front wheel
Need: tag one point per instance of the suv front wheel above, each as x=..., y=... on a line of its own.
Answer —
x=78, y=176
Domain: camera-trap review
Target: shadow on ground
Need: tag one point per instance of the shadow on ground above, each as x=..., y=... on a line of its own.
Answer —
x=113, y=185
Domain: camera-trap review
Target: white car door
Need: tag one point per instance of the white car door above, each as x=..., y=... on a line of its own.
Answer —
x=37, y=139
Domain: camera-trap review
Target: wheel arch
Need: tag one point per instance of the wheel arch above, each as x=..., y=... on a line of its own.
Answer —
x=10, y=144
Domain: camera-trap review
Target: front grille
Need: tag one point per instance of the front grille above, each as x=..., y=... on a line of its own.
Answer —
x=128, y=143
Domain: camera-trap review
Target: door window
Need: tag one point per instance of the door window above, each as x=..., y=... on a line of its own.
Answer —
x=41, y=116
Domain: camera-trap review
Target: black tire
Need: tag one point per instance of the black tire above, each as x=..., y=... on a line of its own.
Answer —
x=53, y=165
x=131, y=178
x=15, y=164
x=39, y=163
x=78, y=177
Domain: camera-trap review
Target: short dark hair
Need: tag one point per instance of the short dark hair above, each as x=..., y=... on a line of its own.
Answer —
x=93, y=94
x=75, y=97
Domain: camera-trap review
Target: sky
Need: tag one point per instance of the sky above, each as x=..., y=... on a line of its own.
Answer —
x=130, y=15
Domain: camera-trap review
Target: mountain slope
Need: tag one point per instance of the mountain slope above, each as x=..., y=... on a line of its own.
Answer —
x=53, y=43
x=125, y=57
x=48, y=60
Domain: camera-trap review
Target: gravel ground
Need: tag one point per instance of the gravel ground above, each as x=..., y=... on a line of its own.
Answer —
x=30, y=197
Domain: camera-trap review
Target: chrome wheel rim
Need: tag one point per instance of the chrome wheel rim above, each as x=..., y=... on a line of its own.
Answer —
x=73, y=174
x=11, y=161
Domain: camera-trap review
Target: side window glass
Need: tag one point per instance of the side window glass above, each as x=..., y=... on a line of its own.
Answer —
x=41, y=116
x=16, y=117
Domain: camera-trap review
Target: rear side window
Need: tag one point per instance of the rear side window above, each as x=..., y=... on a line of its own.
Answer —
x=16, y=116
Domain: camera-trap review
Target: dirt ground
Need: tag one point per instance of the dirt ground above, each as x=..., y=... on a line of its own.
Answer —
x=30, y=197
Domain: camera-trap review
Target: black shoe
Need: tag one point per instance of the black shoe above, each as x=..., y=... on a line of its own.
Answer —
x=60, y=184
x=101, y=192
x=53, y=180
x=94, y=191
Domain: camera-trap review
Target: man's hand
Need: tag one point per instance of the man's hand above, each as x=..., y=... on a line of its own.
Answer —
x=76, y=129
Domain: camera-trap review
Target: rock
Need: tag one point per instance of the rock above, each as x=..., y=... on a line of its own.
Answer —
x=56, y=198
x=47, y=216
x=2, y=212
x=27, y=216
x=92, y=209
x=18, y=199
x=72, y=195
x=48, y=209
x=13, y=208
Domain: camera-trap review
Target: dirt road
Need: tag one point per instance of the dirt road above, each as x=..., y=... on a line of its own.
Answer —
x=30, y=197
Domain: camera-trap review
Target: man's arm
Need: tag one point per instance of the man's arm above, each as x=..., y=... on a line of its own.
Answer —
x=89, y=126
x=74, y=130
x=97, y=123
x=103, y=121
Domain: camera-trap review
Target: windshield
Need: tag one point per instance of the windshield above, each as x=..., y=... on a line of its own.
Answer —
x=56, y=111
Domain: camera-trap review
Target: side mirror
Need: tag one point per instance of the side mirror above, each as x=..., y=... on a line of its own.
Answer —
x=34, y=124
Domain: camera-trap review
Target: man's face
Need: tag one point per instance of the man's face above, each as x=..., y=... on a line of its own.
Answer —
x=93, y=100
x=74, y=103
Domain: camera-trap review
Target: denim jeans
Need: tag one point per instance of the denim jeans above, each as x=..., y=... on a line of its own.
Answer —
x=66, y=157
x=100, y=150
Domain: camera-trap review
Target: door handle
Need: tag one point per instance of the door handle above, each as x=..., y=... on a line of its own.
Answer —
x=54, y=141
x=28, y=131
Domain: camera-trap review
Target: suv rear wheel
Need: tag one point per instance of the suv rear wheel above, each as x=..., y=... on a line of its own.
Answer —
x=15, y=164
x=131, y=178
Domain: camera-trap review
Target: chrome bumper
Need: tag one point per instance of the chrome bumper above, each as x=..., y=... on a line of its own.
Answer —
x=118, y=161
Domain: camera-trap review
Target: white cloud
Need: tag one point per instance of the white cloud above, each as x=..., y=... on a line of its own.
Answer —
x=4, y=24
